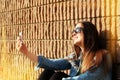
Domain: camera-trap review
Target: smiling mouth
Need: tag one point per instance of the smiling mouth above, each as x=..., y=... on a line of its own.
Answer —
x=75, y=37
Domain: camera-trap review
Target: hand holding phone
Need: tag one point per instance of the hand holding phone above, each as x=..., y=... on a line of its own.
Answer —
x=19, y=41
x=20, y=45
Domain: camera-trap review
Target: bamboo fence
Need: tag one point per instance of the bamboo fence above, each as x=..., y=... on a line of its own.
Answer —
x=47, y=26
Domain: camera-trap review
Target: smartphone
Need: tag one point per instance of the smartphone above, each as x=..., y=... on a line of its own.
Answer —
x=20, y=35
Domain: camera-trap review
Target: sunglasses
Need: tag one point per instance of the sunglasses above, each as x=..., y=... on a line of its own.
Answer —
x=77, y=30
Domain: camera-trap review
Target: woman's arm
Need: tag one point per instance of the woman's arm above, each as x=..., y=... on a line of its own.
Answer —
x=53, y=64
x=23, y=49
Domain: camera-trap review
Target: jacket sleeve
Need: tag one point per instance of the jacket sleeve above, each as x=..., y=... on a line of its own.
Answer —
x=53, y=64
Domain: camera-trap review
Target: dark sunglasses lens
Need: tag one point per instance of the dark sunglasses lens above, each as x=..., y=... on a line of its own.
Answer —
x=77, y=30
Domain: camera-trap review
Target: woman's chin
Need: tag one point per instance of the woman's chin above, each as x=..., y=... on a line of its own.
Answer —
x=77, y=43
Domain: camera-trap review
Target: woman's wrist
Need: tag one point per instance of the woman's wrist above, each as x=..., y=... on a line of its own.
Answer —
x=26, y=52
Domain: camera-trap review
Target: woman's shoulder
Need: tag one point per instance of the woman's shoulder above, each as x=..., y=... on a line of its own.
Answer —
x=104, y=53
x=108, y=58
x=105, y=57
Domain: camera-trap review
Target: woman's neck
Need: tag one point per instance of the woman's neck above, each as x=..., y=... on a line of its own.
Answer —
x=83, y=50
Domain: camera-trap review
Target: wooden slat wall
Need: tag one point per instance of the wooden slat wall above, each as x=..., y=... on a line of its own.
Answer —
x=47, y=26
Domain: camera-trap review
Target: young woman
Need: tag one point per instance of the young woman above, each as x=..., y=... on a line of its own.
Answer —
x=89, y=61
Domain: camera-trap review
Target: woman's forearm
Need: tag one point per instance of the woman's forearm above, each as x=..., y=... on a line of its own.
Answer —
x=31, y=56
x=21, y=47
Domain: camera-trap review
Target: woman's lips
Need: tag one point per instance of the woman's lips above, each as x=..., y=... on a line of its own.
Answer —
x=75, y=37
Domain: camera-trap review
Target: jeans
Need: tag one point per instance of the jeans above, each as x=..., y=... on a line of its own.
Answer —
x=52, y=75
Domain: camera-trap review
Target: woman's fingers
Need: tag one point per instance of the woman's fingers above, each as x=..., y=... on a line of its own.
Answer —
x=19, y=38
x=19, y=43
x=20, y=46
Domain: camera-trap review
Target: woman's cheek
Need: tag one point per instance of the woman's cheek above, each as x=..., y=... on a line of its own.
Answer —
x=78, y=41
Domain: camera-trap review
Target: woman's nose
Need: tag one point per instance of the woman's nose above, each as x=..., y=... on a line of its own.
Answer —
x=73, y=34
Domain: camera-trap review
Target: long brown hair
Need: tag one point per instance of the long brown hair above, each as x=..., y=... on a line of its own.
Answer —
x=93, y=55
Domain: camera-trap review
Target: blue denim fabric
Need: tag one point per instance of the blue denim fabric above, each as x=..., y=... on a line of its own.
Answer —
x=63, y=64
x=53, y=64
x=97, y=75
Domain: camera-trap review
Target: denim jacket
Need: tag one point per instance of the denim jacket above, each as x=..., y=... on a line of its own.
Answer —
x=74, y=65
